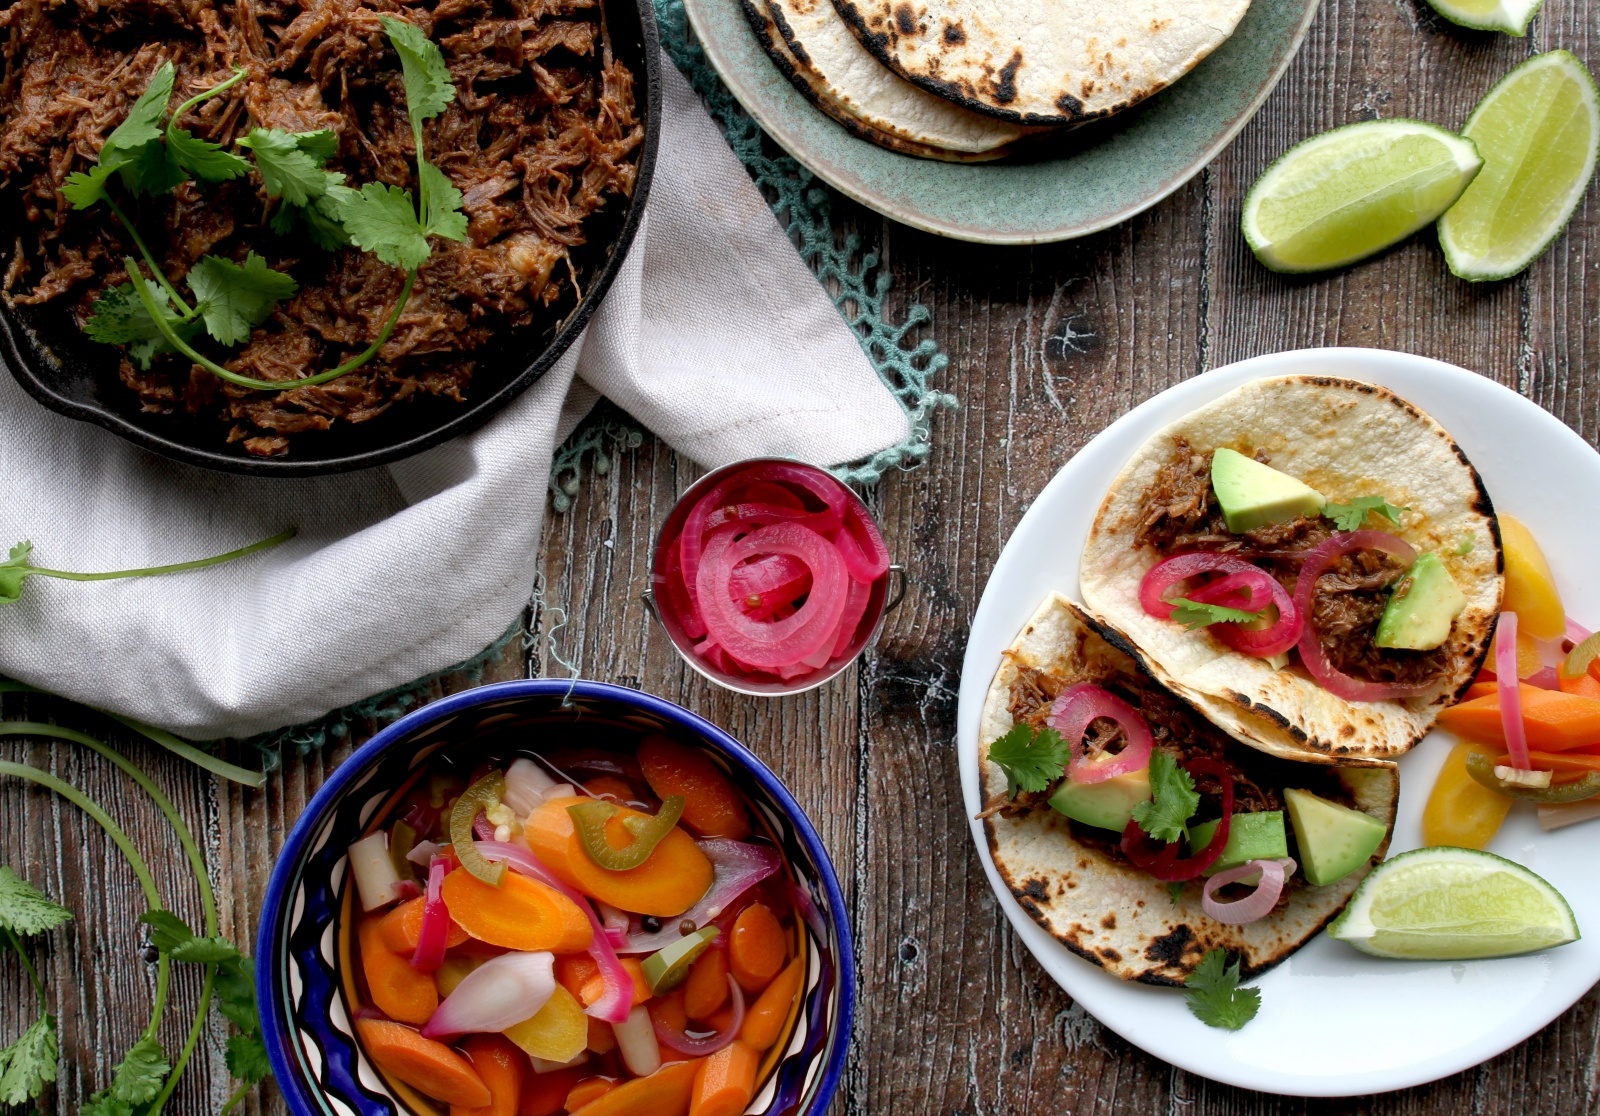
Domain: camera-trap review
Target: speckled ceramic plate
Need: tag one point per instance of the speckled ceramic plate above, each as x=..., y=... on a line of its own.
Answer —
x=1087, y=180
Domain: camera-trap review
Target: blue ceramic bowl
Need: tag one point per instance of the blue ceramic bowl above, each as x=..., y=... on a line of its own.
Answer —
x=308, y=1032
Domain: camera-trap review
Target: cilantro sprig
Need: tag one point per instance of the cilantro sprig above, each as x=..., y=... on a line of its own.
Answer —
x=18, y=566
x=1173, y=799
x=144, y=1079
x=150, y=154
x=1214, y=996
x=1195, y=614
x=1031, y=758
x=1350, y=517
x=30, y=1062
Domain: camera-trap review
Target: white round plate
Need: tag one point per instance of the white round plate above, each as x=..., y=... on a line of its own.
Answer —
x=1333, y=1022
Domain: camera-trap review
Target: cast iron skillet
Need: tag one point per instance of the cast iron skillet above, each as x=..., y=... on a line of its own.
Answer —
x=67, y=372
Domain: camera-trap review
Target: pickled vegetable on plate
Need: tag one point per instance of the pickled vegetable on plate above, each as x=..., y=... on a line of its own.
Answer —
x=1530, y=586
x=1460, y=811
x=570, y=908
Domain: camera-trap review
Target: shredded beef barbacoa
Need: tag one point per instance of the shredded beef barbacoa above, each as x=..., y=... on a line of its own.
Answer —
x=1258, y=779
x=542, y=133
x=1181, y=513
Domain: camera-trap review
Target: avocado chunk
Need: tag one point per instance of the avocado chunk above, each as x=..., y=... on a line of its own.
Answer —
x=1256, y=836
x=1105, y=805
x=1425, y=602
x=1333, y=840
x=1254, y=495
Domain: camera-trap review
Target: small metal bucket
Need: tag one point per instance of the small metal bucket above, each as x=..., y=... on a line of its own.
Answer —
x=887, y=593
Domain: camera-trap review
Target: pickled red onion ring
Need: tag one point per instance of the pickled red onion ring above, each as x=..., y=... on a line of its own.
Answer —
x=1240, y=578
x=1259, y=903
x=1510, y=688
x=782, y=643
x=434, y=936
x=764, y=584
x=1164, y=864
x=862, y=547
x=700, y=1047
x=1076, y=709
x=1313, y=657
x=855, y=607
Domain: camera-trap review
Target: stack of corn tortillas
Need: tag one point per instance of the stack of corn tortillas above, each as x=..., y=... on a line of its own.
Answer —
x=968, y=80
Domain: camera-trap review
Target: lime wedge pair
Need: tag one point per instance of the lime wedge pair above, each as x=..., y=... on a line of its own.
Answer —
x=1448, y=904
x=1504, y=188
x=1510, y=16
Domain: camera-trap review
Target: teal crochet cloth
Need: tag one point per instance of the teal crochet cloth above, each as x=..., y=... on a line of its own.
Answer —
x=858, y=286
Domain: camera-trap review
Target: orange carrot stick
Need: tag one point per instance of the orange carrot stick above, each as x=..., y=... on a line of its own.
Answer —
x=574, y=970
x=501, y=1065
x=595, y=987
x=398, y=990
x=710, y=804
x=1480, y=689
x=725, y=1082
x=1556, y=761
x=1555, y=721
x=587, y=1092
x=1585, y=685
x=427, y=1066
x=669, y=882
x=756, y=948
x=602, y=1039
x=545, y=1094
x=402, y=927
x=519, y=914
x=663, y=1093
x=763, y=1023
x=706, y=989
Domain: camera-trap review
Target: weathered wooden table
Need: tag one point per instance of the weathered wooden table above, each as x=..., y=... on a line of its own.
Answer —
x=1047, y=346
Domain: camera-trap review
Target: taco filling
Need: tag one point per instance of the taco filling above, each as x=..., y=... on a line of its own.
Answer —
x=1140, y=834
x=1180, y=513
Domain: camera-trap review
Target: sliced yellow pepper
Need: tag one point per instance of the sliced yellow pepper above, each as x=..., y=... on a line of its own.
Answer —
x=1530, y=586
x=1460, y=811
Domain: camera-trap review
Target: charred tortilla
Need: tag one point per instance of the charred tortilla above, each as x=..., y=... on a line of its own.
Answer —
x=1347, y=439
x=813, y=48
x=1073, y=881
x=1053, y=63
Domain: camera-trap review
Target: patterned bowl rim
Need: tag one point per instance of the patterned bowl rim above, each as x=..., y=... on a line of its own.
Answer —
x=285, y=872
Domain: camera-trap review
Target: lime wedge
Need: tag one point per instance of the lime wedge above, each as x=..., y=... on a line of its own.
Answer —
x=1539, y=131
x=1448, y=904
x=1343, y=195
x=1510, y=16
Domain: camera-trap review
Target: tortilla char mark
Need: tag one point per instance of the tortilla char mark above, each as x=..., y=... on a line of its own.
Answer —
x=1004, y=83
x=954, y=34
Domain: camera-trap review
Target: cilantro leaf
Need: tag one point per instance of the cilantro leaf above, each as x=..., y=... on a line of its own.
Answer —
x=235, y=993
x=104, y=1104
x=1194, y=615
x=119, y=317
x=247, y=1058
x=86, y=188
x=382, y=220
x=1350, y=517
x=139, y=1076
x=1175, y=891
x=142, y=126
x=204, y=159
x=234, y=299
x=1214, y=995
x=14, y=571
x=291, y=163
x=206, y=951
x=1173, y=802
x=24, y=910
x=321, y=145
x=29, y=1063
x=444, y=217
x=1031, y=758
x=427, y=78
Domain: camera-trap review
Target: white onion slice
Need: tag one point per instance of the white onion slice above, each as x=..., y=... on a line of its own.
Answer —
x=500, y=993
x=526, y=785
x=1259, y=903
x=376, y=880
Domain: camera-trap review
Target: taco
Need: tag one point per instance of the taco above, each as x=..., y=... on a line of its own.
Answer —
x=1311, y=561
x=1107, y=890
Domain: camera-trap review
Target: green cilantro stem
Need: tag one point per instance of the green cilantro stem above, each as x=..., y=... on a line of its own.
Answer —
x=176, y=567
x=235, y=1099
x=239, y=74
x=268, y=385
x=208, y=900
x=176, y=745
x=27, y=966
x=140, y=869
x=184, y=308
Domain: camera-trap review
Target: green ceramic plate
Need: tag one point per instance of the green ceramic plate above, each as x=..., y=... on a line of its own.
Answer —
x=1090, y=179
